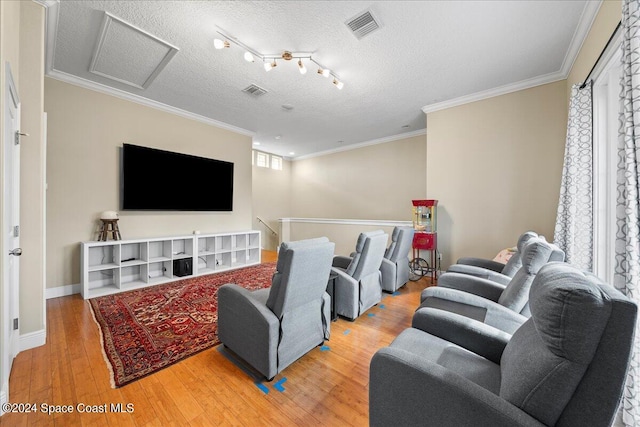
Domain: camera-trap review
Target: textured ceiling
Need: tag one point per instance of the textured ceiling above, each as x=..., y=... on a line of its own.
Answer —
x=426, y=52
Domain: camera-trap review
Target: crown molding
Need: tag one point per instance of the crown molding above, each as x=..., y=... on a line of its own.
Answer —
x=491, y=93
x=98, y=87
x=47, y=3
x=589, y=14
x=584, y=25
x=363, y=144
x=52, y=10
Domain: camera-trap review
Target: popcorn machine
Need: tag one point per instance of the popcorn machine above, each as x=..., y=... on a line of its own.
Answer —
x=425, y=224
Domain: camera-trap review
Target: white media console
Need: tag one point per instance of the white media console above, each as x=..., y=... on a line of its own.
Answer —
x=122, y=265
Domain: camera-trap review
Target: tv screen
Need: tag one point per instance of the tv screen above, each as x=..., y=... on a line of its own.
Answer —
x=162, y=180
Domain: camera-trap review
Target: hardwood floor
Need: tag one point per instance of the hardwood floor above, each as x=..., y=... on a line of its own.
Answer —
x=328, y=386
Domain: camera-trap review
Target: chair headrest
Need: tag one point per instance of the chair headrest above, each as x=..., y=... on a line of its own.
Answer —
x=524, y=238
x=296, y=244
x=537, y=252
x=569, y=311
x=363, y=237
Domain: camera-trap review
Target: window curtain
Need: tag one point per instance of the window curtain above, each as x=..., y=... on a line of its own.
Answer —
x=627, y=247
x=574, y=222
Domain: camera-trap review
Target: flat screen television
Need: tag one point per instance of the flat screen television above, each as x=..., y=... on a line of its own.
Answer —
x=161, y=180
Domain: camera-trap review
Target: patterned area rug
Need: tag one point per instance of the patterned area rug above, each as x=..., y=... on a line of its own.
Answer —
x=149, y=329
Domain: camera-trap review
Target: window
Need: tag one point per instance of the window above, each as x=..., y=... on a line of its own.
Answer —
x=276, y=163
x=606, y=89
x=262, y=159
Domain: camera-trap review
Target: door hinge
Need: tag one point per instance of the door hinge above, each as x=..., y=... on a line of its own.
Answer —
x=18, y=135
x=16, y=231
x=15, y=324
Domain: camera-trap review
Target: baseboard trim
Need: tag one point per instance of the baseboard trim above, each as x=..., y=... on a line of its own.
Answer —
x=32, y=340
x=3, y=400
x=62, y=291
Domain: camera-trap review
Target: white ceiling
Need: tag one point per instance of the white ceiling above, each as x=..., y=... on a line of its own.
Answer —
x=427, y=54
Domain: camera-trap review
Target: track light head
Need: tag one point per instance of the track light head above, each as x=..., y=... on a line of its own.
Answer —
x=338, y=83
x=269, y=65
x=220, y=44
x=301, y=67
x=324, y=72
x=248, y=56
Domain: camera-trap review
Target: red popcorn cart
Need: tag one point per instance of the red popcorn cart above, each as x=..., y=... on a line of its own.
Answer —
x=425, y=238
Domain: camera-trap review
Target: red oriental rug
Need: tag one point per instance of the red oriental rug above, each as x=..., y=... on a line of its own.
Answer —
x=145, y=330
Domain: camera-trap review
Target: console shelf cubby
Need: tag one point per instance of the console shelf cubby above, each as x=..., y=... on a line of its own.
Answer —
x=122, y=265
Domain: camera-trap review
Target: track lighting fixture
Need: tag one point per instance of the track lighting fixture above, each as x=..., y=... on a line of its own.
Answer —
x=269, y=61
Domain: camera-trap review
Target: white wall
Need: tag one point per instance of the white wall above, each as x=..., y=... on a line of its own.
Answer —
x=86, y=130
x=495, y=167
x=375, y=182
x=271, y=201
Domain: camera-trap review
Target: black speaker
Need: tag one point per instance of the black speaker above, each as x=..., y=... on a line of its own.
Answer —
x=182, y=267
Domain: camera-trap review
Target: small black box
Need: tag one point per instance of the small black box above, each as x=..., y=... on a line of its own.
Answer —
x=182, y=267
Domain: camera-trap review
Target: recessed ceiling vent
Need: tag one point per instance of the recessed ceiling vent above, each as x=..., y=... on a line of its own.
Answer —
x=254, y=90
x=362, y=24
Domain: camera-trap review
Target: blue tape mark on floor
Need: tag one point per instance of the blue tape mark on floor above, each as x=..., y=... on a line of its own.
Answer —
x=382, y=306
x=347, y=332
x=395, y=293
x=263, y=387
x=371, y=314
x=278, y=385
x=325, y=348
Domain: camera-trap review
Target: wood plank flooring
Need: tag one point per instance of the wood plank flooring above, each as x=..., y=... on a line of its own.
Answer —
x=326, y=387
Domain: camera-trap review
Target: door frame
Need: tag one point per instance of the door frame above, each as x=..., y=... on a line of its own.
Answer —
x=9, y=340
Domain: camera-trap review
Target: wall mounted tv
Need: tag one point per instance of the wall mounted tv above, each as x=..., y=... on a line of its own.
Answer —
x=161, y=180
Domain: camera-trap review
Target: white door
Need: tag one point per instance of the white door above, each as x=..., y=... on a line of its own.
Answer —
x=11, y=233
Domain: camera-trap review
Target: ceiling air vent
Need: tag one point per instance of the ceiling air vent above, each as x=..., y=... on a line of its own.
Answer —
x=362, y=24
x=254, y=90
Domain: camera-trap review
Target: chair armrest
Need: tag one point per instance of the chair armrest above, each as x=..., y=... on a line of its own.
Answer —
x=496, y=315
x=347, y=294
x=341, y=261
x=248, y=327
x=474, y=285
x=408, y=390
x=388, y=270
x=483, y=273
x=483, y=263
x=483, y=340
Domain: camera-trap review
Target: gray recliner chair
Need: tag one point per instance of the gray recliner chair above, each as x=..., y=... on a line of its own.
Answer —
x=493, y=270
x=395, y=264
x=503, y=307
x=565, y=366
x=358, y=286
x=271, y=328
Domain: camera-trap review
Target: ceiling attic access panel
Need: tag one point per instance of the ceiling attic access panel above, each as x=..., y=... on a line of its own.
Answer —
x=128, y=54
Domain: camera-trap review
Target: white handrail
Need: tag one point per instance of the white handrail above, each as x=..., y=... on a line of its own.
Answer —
x=267, y=225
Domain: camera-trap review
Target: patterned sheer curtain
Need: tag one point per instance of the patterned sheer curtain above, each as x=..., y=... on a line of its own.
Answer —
x=574, y=222
x=627, y=256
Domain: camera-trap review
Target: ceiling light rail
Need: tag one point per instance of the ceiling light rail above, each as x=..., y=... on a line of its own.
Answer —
x=270, y=61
